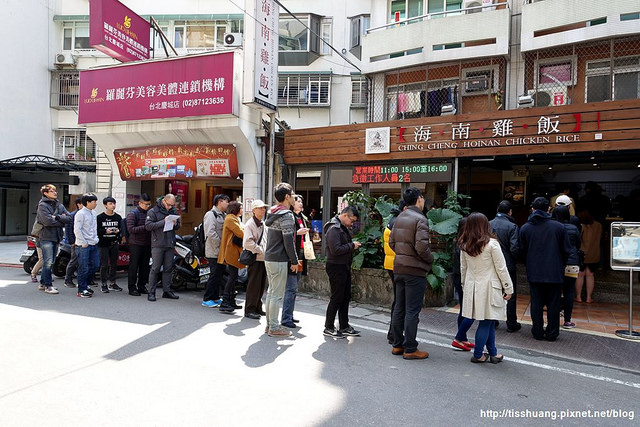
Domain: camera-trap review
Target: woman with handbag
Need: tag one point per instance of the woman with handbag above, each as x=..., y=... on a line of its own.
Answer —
x=486, y=284
x=230, y=248
x=254, y=244
x=302, y=234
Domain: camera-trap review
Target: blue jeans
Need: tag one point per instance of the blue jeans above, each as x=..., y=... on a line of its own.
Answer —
x=88, y=262
x=289, y=301
x=277, y=275
x=463, y=323
x=49, y=251
x=485, y=336
x=404, y=321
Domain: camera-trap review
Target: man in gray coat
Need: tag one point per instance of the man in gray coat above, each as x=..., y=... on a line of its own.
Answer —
x=213, y=223
x=162, y=243
x=506, y=230
x=411, y=242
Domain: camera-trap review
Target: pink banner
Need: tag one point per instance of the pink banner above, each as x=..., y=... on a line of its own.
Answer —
x=117, y=31
x=183, y=87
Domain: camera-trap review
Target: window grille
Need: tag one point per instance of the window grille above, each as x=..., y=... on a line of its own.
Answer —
x=65, y=86
x=298, y=90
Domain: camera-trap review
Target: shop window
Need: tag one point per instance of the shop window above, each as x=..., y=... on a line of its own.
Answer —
x=65, y=86
x=626, y=79
x=359, y=91
x=309, y=184
x=311, y=90
x=75, y=36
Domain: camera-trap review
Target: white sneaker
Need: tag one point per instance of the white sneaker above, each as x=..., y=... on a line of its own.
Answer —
x=51, y=290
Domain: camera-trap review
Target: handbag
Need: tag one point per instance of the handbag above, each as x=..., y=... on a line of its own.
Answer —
x=246, y=256
x=571, y=271
x=35, y=230
x=309, y=253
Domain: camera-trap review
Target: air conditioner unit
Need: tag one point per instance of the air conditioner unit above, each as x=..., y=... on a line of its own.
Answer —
x=233, y=39
x=477, y=3
x=64, y=58
x=549, y=97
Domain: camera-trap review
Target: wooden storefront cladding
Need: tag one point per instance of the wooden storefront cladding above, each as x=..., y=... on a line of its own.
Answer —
x=617, y=121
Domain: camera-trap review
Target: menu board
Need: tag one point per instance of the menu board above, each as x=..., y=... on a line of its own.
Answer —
x=625, y=245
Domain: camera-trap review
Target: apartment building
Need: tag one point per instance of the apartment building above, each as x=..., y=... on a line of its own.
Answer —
x=493, y=98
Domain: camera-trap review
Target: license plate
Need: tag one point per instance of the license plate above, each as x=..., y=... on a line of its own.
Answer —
x=204, y=270
x=27, y=252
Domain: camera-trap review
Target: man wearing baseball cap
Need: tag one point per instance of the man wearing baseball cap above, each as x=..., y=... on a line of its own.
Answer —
x=255, y=240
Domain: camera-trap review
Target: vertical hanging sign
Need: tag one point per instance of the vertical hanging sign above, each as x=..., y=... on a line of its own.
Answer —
x=266, y=54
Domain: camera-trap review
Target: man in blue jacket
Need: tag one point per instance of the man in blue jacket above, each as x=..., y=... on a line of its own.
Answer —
x=506, y=231
x=545, y=247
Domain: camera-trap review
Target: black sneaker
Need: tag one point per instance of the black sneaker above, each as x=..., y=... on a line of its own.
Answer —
x=225, y=307
x=114, y=287
x=90, y=291
x=84, y=294
x=105, y=289
x=70, y=284
x=350, y=332
x=333, y=333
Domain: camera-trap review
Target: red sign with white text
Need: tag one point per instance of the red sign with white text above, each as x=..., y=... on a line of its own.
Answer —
x=190, y=86
x=117, y=31
x=177, y=162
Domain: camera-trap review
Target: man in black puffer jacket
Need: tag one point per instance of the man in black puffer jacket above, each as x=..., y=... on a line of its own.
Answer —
x=545, y=247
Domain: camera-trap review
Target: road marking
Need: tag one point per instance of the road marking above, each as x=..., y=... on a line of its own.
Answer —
x=528, y=363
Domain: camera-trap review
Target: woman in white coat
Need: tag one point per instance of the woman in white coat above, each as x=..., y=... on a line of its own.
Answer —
x=486, y=283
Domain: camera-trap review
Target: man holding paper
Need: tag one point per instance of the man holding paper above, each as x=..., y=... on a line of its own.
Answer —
x=162, y=221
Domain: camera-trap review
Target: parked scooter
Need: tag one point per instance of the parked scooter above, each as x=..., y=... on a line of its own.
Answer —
x=189, y=271
x=29, y=258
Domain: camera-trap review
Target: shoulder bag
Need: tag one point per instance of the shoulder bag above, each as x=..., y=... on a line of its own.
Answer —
x=247, y=257
x=309, y=253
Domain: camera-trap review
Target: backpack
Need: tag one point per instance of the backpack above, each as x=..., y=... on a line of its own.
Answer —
x=198, y=240
x=123, y=226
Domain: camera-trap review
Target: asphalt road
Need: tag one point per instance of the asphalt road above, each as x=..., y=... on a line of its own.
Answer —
x=121, y=360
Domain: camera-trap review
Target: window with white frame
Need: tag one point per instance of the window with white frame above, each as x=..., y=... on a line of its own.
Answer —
x=326, y=27
x=359, y=27
x=479, y=81
x=359, y=91
x=304, y=90
x=65, y=86
x=75, y=35
x=293, y=35
x=74, y=144
x=626, y=79
x=201, y=34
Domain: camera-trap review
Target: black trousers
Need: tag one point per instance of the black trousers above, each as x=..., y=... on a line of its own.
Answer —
x=228, y=294
x=545, y=294
x=108, y=263
x=255, y=287
x=393, y=304
x=138, y=274
x=512, y=313
x=340, y=283
x=216, y=272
